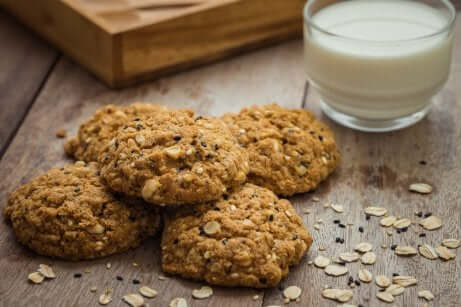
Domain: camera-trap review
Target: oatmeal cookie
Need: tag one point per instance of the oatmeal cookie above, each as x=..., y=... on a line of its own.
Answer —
x=290, y=150
x=68, y=213
x=170, y=158
x=249, y=238
x=95, y=132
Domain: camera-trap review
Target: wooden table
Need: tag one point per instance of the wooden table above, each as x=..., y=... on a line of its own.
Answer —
x=43, y=91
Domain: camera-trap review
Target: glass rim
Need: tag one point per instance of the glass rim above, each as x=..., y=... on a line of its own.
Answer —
x=448, y=27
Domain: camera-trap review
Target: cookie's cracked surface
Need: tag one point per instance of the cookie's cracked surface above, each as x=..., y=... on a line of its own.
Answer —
x=171, y=158
x=249, y=238
x=68, y=213
x=290, y=150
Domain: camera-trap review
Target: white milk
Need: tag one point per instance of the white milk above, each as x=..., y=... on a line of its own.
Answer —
x=372, y=76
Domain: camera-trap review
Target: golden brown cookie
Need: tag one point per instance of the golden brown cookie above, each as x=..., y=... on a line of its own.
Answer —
x=290, y=150
x=250, y=238
x=95, y=132
x=68, y=213
x=171, y=158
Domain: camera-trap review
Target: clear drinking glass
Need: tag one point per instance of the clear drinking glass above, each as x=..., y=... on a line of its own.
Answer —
x=378, y=64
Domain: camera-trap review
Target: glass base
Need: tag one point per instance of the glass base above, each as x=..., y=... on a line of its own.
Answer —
x=367, y=125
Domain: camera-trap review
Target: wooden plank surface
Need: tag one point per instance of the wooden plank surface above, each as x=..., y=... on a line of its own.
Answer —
x=21, y=75
x=376, y=170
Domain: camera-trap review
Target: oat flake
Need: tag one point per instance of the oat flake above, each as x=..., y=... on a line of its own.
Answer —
x=376, y=211
x=404, y=281
x=36, y=277
x=336, y=270
x=385, y=297
x=405, y=251
x=202, y=293
x=134, y=300
x=395, y=289
x=349, y=257
x=431, y=223
x=46, y=271
x=337, y=208
x=422, y=188
x=451, y=243
x=178, y=302
x=426, y=294
x=148, y=292
x=363, y=247
x=382, y=281
x=321, y=261
x=292, y=292
x=340, y=295
x=368, y=258
x=428, y=252
x=445, y=253
x=388, y=221
x=402, y=223
x=212, y=227
x=106, y=297
x=365, y=275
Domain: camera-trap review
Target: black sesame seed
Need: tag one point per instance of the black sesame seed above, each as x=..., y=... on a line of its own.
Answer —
x=199, y=118
x=119, y=278
x=263, y=280
x=342, y=241
x=77, y=275
x=398, y=231
x=357, y=283
x=295, y=237
x=395, y=274
x=361, y=229
x=336, y=221
x=203, y=144
x=422, y=235
x=136, y=282
x=404, y=229
x=360, y=305
x=367, y=217
x=419, y=214
x=428, y=214
x=341, y=225
x=351, y=279
x=177, y=138
x=271, y=218
x=320, y=138
x=422, y=162
x=382, y=289
x=77, y=190
x=338, y=239
x=393, y=246
x=137, y=119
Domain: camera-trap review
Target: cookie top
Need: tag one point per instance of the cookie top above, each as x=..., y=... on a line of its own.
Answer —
x=68, y=213
x=249, y=238
x=171, y=158
x=290, y=150
x=95, y=132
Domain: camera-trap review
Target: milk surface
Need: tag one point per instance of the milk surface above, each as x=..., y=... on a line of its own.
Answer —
x=382, y=60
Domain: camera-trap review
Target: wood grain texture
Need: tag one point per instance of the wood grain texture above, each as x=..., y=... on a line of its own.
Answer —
x=25, y=61
x=70, y=96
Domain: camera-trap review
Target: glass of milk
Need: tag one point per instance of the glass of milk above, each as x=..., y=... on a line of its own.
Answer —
x=378, y=64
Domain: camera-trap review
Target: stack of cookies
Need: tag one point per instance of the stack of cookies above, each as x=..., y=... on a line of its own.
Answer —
x=212, y=181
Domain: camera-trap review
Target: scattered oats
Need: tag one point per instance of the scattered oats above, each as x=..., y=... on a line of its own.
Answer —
x=212, y=227
x=255, y=297
x=402, y=223
x=326, y=205
x=337, y=208
x=340, y=295
x=202, y=293
x=422, y=188
x=307, y=211
x=368, y=258
x=178, y=302
x=336, y=270
x=405, y=251
x=385, y=297
x=389, y=233
x=388, y=221
x=404, y=281
x=349, y=257
x=106, y=297
x=395, y=289
x=321, y=261
x=428, y=252
x=316, y=226
x=46, y=271
x=288, y=213
x=426, y=294
x=382, y=281
x=148, y=292
x=108, y=265
x=431, y=223
x=451, y=243
x=365, y=275
x=94, y=289
x=134, y=300
x=363, y=247
x=322, y=248
x=161, y=277
x=445, y=253
x=375, y=211
x=292, y=292
x=315, y=199
x=36, y=277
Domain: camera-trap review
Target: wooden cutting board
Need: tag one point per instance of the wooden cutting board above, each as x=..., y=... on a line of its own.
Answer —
x=126, y=41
